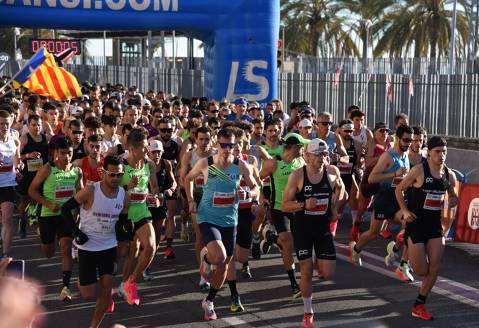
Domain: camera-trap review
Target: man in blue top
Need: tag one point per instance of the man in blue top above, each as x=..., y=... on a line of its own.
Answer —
x=240, y=108
x=217, y=212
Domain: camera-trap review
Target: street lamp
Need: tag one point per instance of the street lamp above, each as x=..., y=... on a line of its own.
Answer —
x=366, y=23
x=453, y=38
x=283, y=27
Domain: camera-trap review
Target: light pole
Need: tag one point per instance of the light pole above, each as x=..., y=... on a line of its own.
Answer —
x=366, y=23
x=453, y=39
x=283, y=27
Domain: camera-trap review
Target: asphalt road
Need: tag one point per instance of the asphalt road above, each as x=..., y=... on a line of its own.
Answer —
x=370, y=296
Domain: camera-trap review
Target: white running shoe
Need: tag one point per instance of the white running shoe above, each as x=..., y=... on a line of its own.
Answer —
x=354, y=257
x=391, y=256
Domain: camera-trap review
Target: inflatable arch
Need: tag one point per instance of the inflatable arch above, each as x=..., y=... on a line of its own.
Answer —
x=240, y=36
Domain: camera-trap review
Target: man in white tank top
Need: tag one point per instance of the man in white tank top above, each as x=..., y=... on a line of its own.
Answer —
x=101, y=207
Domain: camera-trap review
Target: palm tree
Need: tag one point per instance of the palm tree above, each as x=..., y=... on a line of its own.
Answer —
x=314, y=27
x=424, y=25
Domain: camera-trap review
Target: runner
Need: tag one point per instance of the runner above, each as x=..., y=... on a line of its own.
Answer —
x=388, y=172
x=91, y=165
x=10, y=165
x=34, y=153
x=429, y=182
x=136, y=179
x=279, y=168
x=100, y=205
x=217, y=212
x=55, y=183
x=312, y=193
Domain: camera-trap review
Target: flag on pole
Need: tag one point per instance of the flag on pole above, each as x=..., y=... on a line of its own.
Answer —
x=42, y=76
x=389, y=88
x=410, y=87
x=64, y=56
x=338, y=74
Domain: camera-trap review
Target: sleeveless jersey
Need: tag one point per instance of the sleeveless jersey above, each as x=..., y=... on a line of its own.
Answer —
x=98, y=223
x=322, y=191
x=279, y=179
x=219, y=204
x=245, y=203
x=273, y=152
x=347, y=169
x=170, y=152
x=200, y=179
x=79, y=152
x=362, y=137
x=59, y=187
x=138, y=206
x=7, y=170
x=426, y=201
x=34, y=164
x=397, y=163
x=90, y=175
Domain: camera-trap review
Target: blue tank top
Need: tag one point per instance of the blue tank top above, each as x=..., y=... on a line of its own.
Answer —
x=219, y=203
x=331, y=142
x=397, y=163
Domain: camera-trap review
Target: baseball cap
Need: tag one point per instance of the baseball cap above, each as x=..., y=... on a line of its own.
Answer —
x=145, y=102
x=317, y=145
x=295, y=139
x=77, y=111
x=155, y=145
x=380, y=125
x=305, y=123
x=241, y=101
x=306, y=110
x=347, y=126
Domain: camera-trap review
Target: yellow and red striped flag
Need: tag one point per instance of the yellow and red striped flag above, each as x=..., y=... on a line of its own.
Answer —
x=42, y=76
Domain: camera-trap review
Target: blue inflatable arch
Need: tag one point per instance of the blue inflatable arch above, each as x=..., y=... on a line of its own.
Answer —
x=240, y=36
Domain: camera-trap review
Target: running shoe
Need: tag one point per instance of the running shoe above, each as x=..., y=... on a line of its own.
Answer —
x=354, y=234
x=404, y=273
x=131, y=290
x=255, y=248
x=236, y=305
x=333, y=226
x=65, y=295
x=111, y=305
x=205, y=268
x=296, y=291
x=307, y=321
x=170, y=253
x=148, y=275
x=204, y=285
x=246, y=272
x=354, y=257
x=419, y=311
x=391, y=256
x=209, y=309
x=121, y=291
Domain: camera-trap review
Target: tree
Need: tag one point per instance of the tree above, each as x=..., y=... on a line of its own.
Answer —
x=7, y=43
x=424, y=25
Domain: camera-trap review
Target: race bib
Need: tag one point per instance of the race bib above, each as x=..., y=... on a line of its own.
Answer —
x=320, y=209
x=105, y=226
x=33, y=165
x=345, y=168
x=396, y=181
x=433, y=202
x=64, y=192
x=138, y=196
x=223, y=199
x=199, y=180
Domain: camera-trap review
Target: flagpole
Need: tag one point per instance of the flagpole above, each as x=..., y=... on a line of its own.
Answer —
x=19, y=71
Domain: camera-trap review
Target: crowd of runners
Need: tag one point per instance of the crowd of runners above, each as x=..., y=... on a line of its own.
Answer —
x=107, y=177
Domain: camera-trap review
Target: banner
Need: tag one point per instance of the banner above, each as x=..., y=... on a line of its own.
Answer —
x=239, y=36
x=467, y=218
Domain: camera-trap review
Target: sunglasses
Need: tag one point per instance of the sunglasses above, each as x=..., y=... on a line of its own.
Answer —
x=114, y=174
x=77, y=132
x=384, y=130
x=406, y=140
x=326, y=123
x=348, y=131
x=166, y=130
x=226, y=145
x=320, y=153
x=214, y=111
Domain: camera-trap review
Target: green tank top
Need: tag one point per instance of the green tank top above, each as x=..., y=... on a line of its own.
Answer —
x=59, y=187
x=138, y=206
x=273, y=152
x=279, y=179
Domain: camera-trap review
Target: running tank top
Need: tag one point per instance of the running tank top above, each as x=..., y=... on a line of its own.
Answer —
x=90, y=175
x=200, y=179
x=138, y=208
x=7, y=170
x=398, y=162
x=322, y=191
x=362, y=137
x=34, y=164
x=98, y=223
x=245, y=203
x=347, y=168
x=279, y=179
x=426, y=202
x=59, y=187
x=170, y=152
x=273, y=152
x=219, y=203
